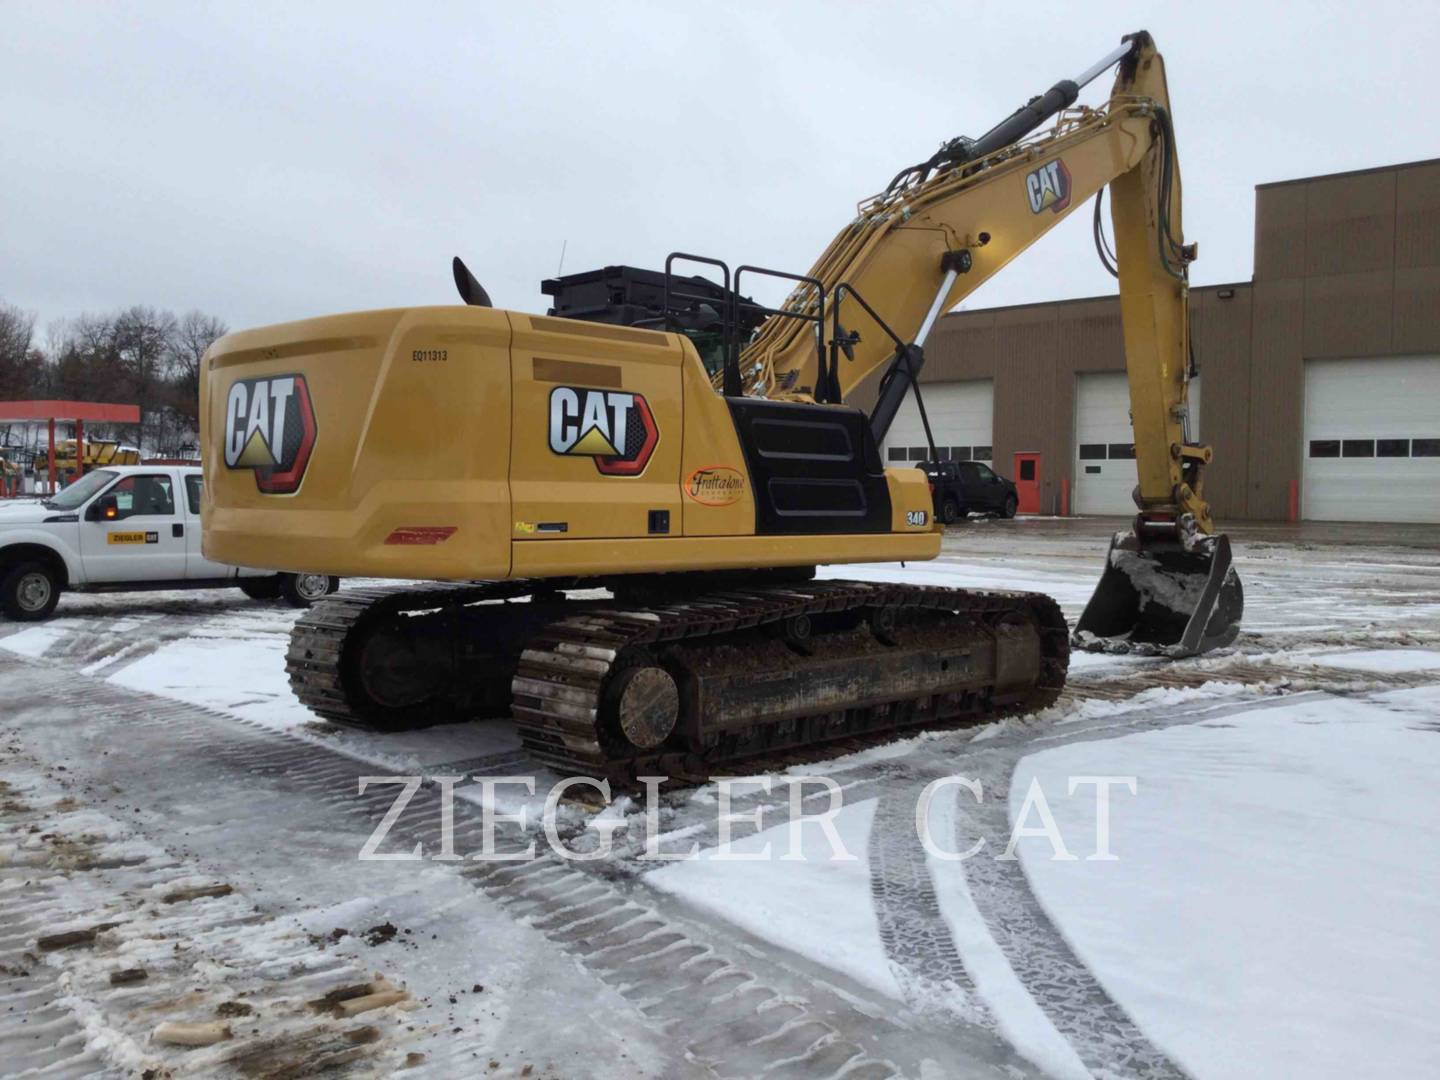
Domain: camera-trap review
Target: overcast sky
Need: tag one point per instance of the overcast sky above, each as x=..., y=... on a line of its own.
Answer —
x=264, y=162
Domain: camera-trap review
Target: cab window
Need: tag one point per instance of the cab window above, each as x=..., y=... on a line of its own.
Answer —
x=193, y=484
x=143, y=496
x=984, y=473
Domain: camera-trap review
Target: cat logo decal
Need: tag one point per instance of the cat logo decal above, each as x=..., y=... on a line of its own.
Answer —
x=616, y=429
x=1048, y=187
x=270, y=429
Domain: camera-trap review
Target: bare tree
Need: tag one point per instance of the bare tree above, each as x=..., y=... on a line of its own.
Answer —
x=17, y=330
x=194, y=333
x=142, y=341
x=85, y=360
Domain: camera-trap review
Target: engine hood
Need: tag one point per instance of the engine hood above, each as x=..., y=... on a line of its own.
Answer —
x=26, y=513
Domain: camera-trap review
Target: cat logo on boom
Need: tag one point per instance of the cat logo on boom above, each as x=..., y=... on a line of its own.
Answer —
x=1048, y=187
x=617, y=429
x=270, y=429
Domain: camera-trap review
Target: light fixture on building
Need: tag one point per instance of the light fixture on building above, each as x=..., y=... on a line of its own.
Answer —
x=1225, y=294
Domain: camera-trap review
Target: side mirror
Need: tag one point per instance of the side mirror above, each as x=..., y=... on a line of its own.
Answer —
x=104, y=508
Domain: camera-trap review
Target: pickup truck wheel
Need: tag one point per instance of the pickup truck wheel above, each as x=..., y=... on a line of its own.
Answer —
x=29, y=592
x=261, y=588
x=302, y=590
x=1011, y=505
x=949, y=511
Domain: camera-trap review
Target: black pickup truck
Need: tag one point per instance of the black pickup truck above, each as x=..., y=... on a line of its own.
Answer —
x=966, y=487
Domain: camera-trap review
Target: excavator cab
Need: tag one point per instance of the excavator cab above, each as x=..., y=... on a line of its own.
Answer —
x=1162, y=596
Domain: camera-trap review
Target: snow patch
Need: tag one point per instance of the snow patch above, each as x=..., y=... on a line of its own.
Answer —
x=34, y=641
x=1274, y=907
x=1387, y=660
x=777, y=900
x=236, y=665
x=243, y=678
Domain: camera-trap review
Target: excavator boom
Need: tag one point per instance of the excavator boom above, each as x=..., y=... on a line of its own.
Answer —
x=944, y=227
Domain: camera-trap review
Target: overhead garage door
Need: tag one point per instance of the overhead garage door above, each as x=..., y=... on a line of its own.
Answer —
x=1372, y=440
x=1104, y=445
x=961, y=415
x=1105, y=473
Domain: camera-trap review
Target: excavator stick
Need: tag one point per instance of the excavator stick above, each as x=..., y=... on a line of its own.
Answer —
x=1158, y=597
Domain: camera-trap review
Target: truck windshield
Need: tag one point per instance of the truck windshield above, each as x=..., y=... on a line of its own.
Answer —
x=78, y=493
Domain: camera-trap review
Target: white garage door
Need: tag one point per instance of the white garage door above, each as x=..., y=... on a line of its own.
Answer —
x=1104, y=445
x=961, y=415
x=1105, y=473
x=1372, y=440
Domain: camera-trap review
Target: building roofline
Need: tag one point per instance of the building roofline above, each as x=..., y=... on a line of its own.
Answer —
x=1083, y=300
x=1351, y=172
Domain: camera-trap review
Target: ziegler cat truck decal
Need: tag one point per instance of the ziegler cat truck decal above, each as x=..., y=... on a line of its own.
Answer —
x=123, y=529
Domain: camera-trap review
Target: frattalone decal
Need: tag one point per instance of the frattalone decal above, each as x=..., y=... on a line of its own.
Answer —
x=1048, y=187
x=270, y=429
x=616, y=429
x=715, y=485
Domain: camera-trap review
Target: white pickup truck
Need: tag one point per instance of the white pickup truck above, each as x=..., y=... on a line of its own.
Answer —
x=119, y=529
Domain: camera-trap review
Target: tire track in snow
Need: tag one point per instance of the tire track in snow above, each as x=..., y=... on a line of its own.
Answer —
x=1105, y=1037
x=918, y=941
x=916, y=937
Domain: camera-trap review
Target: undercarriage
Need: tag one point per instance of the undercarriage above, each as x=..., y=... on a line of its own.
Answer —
x=660, y=679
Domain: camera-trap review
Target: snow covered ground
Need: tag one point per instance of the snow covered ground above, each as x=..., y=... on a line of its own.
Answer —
x=1272, y=907
x=1274, y=904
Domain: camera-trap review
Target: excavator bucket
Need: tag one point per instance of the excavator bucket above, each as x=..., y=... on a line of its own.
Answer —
x=1162, y=599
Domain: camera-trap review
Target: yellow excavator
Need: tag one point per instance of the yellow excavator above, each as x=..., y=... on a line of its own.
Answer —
x=621, y=504
x=98, y=454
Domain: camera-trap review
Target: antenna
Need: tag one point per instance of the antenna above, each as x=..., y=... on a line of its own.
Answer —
x=561, y=270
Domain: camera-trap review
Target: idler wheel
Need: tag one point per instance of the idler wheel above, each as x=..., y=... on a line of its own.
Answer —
x=647, y=705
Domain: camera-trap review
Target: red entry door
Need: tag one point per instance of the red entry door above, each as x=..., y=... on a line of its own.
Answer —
x=1027, y=482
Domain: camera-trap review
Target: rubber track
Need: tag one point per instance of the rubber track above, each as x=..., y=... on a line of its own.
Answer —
x=562, y=672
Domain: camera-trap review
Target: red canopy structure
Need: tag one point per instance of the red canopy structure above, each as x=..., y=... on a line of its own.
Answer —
x=97, y=412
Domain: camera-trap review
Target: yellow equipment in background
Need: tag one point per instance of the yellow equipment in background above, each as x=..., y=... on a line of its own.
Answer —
x=671, y=441
x=98, y=454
